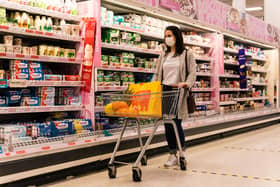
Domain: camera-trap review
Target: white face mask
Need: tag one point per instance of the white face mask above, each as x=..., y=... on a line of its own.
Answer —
x=170, y=41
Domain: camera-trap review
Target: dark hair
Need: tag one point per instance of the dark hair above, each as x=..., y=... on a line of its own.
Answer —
x=179, y=40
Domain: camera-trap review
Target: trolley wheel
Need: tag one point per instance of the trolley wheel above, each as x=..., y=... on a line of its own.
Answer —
x=183, y=163
x=136, y=174
x=112, y=171
x=144, y=160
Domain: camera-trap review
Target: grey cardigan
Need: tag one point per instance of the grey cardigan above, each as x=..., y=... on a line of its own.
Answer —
x=190, y=79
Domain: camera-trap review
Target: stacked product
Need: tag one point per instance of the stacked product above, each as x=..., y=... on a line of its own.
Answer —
x=128, y=60
x=117, y=37
x=13, y=45
x=203, y=67
x=229, y=84
x=144, y=23
x=250, y=51
x=202, y=84
x=47, y=95
x=44, y=96
x=193, y=37
x=109, y=78
x=67, y=96
x=38, y=23
x=67, y=6
x=29, y=130
x=29, y=70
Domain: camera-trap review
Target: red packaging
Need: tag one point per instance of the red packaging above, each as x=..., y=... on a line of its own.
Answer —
x=71, y=77
x=89, y=44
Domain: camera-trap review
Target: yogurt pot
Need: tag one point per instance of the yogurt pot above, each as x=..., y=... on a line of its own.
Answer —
x=57, y=51
x=26, y=50
x=18, y=41
x=43, y=50
x=17, y=49
x=8, y=40
x=2, y=74
x=75, y=30
x=9, y=48
x=51, y=51
x=33, y=50
x=2, y=48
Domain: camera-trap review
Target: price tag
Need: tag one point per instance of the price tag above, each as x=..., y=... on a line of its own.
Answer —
x=3, y=54
x=48, y=33
x=3, y=83
x=38, y=32
x=17, y=29
x=18, y=83
x=22, y=109
x=3, y=110
x=21, y=152
x=29, y=31
x=34, y=56
x=70, y=139
x=4, y=27
x=71, y=59
x=87, y=141
x=46, y=148
x=19, y=56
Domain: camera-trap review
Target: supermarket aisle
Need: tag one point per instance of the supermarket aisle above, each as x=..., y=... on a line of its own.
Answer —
x=247, y=160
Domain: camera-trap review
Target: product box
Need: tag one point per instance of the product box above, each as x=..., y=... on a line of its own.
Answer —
x=71, y=77
x=81, y=125
x=44, y=129
x=28, y=92
x=13, y=131
x=3, y=101
x=51, y=77
x=35, y=70
x=114, y=61
x=61, y=128
x=73, y=101
x=104, y=60
x=47, y=101
x=30, y=101
x=14, y=97
x=47, y=92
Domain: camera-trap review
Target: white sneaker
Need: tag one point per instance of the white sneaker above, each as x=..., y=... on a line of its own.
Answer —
x=172, y=161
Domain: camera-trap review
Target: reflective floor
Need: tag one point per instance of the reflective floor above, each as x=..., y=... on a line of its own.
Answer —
x=247, y=160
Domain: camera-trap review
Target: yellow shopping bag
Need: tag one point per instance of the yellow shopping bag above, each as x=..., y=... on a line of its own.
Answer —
x=146, y=98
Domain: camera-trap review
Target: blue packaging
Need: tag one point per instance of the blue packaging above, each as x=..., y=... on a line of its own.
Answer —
x=44, y=129
x=35, y=71
x=14, y=98
x=28, y=92
x=61, y=128
x=3, y=101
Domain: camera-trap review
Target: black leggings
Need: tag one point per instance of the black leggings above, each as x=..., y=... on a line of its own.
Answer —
x=169, y=130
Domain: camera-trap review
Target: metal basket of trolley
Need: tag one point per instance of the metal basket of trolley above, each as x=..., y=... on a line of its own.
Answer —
x=161, y=106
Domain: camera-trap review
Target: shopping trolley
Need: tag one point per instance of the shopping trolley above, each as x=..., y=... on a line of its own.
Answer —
x=168, y=107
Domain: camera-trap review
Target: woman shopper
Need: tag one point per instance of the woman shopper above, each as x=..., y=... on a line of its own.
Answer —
x=176, y=69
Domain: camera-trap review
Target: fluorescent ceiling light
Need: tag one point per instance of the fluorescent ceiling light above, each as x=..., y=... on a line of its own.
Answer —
x=253, y=8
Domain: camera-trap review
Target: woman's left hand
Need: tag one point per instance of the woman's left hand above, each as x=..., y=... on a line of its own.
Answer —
x=182, y=85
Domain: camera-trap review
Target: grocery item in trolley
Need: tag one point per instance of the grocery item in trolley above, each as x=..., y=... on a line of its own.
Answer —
x=141, y=100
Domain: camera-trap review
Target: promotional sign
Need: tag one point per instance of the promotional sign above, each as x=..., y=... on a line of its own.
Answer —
x=212, y=12
x=89, y=42
x=256, y=28
x=187, y=8
x=242, y=68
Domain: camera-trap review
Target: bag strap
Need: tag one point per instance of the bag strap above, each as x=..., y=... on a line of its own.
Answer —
x=186, y=63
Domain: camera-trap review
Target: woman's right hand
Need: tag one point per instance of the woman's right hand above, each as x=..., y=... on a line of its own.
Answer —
x=163, y=47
